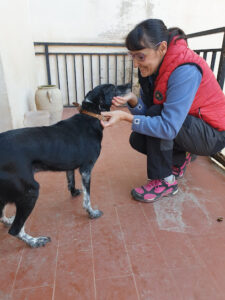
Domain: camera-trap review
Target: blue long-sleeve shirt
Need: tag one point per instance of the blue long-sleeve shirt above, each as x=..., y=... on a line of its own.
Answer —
x=183, y=84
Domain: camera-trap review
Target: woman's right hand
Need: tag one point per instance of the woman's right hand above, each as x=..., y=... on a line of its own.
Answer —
x=129, y=98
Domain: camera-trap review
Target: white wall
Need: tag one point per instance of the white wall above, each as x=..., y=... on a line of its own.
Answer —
x=5, y=111
x=102, y=20
x=79, y=21
x=17, y=64
x=86, y=20
x=110, y=21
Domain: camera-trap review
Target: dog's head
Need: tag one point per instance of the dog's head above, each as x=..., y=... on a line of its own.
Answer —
x=100, y=98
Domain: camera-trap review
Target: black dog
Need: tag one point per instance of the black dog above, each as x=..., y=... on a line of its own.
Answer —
x=68, y=145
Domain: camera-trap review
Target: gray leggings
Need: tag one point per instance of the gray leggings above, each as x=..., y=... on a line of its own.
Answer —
x=198, y=137
x=195, y=136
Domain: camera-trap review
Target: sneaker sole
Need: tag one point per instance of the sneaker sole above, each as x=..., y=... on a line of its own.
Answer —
x=140, y=199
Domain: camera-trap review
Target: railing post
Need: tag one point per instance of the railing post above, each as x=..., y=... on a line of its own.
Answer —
x=221, y=69
x=47, y=64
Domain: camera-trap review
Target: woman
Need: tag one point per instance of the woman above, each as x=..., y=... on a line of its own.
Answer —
x=181, y=110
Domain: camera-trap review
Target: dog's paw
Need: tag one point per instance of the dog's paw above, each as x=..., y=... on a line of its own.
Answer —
x=39, y=242
x=75, y=192
x=95, y=214
x=7, y=221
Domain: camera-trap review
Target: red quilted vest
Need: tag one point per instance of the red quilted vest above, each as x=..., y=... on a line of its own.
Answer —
x=209, y=101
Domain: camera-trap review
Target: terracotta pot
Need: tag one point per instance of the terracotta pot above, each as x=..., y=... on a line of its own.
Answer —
x=49, y=97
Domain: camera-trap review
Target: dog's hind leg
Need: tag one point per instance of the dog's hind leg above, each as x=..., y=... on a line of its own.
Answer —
x=3, y=219
x=86, y=178
x=71, y=183
x=24, y=208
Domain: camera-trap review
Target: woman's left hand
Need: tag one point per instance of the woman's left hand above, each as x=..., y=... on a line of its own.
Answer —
x=112, y=117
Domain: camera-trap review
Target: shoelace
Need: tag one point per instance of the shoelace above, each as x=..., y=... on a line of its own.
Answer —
x=153, y=183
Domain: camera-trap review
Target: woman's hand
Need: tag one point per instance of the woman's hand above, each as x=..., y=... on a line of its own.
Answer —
x=129, y=98
x=115, y=116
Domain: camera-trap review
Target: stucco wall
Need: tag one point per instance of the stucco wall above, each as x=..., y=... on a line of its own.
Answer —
x=101, y=20
x=110, y=21
x=5, y=112
x=25, y=21
x=17, y=64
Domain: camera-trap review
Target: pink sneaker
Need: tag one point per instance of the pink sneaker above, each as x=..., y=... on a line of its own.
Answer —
x=154, y=190
x=178, y=172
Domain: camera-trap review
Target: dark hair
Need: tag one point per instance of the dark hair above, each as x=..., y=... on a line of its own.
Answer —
x=151, y=32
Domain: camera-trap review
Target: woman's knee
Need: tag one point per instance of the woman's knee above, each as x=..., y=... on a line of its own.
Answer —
x=198, y=137
x=138, y=142
x=133, y=140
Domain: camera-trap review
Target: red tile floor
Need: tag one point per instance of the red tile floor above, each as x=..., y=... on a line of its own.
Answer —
x=173, y=249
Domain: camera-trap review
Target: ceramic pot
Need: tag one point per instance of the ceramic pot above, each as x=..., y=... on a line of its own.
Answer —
x=49, y=97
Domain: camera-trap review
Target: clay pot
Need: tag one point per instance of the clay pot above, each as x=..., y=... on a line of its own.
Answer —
x=49, y=97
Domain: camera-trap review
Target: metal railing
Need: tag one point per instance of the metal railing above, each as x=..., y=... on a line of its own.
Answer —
x=92, y=64
x=214, y=51
x=76, y=72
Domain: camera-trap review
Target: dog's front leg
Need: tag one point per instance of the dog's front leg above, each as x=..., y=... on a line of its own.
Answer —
x=71, y=183
x=93, y=213
x=33, y=242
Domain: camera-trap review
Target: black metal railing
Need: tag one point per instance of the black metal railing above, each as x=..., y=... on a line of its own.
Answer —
x=88, y=68
x=214, y=51
x=76, y=72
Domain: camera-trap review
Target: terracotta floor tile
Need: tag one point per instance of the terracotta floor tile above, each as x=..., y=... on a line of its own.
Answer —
x=157, y=285
x=7, y=277
x=37, y=267
x=10, y=247
x=122, y=288
x=133, y=223
x=211, y=250
x=74, y=231
x=107, y=236
x=111, y=262
x=177, y=249
x=196, y=282
x=109, y=216
x=172, y=249
x=146, y=258
x=74, y=276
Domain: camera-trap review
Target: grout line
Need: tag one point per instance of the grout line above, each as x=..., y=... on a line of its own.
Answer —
x=56, y=265
x=17, y=270
x=156, y=240
x=129, y=260
x=206, y=267
x=115, y=277
x=93, y=265
x=34, y=287
x=125, y=247
x=203, y=264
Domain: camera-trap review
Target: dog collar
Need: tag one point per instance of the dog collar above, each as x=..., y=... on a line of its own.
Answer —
x=82, y=111
x=97, y=116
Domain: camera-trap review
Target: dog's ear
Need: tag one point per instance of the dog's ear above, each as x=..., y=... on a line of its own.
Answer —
x=123, y=89
x=88, y=97
x=109, y=93
x=87, y=100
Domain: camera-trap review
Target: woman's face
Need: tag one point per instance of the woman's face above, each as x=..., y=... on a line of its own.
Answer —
x=148, y=59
